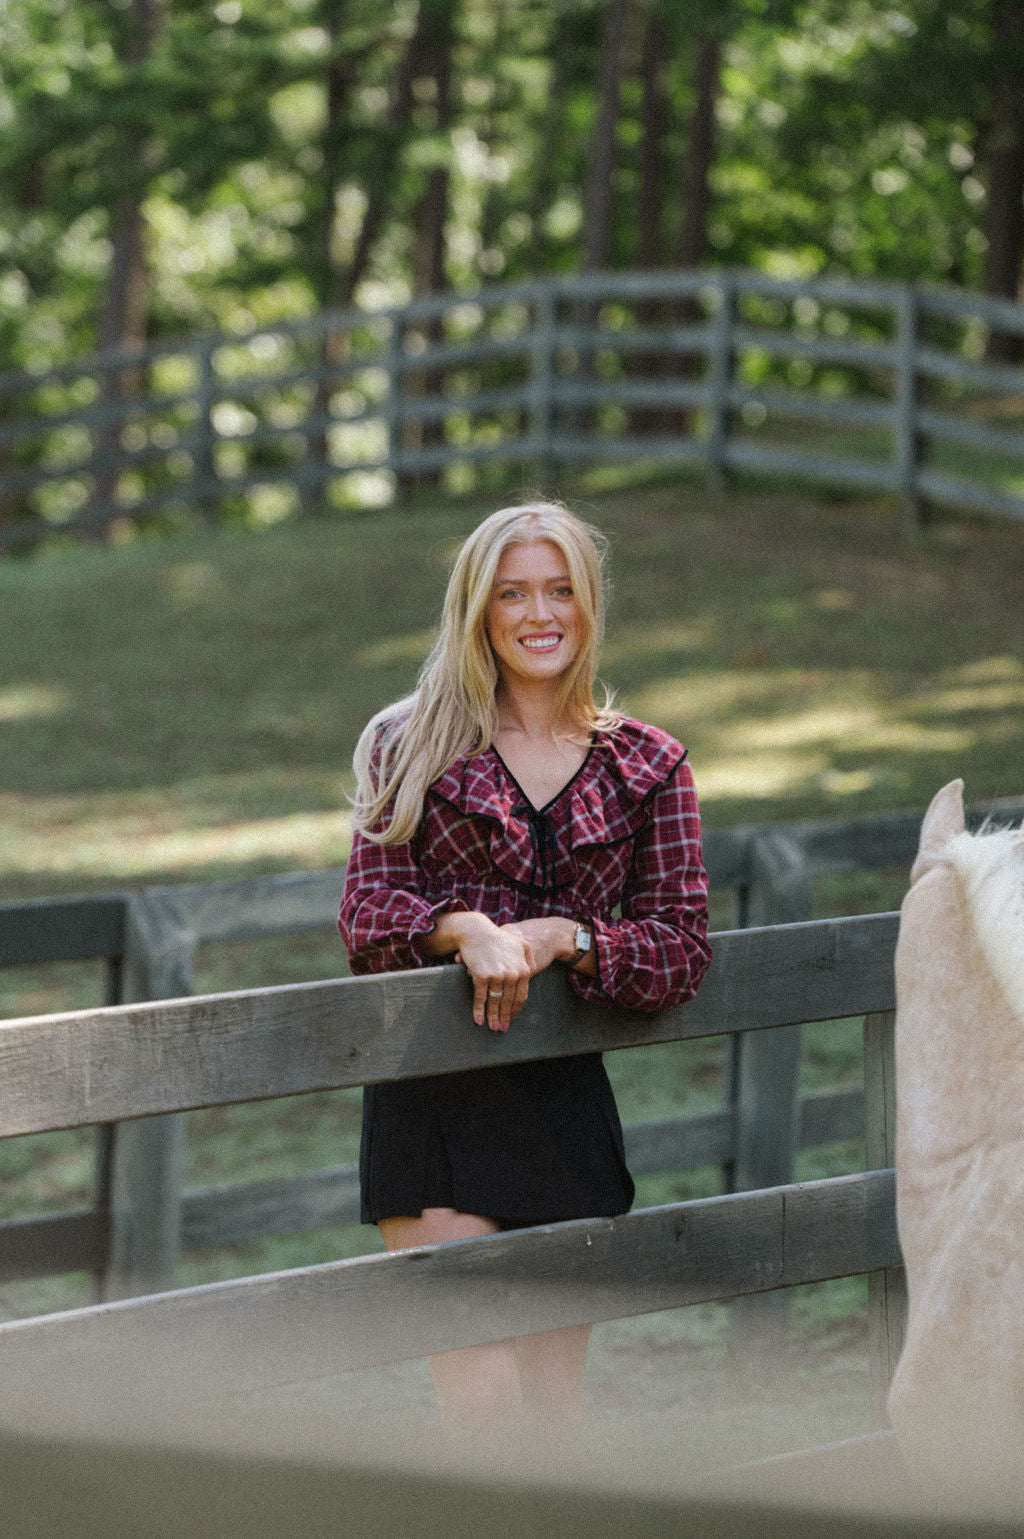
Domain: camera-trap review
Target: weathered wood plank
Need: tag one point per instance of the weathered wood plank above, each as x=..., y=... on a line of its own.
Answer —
x=136, y=1060
x=765, y=1071
x=766, y=1065
x=254, y=909
x=879, y=841
x=831, y=1116
x=242, y=1213
x=53, y=1244
x=887, y=1288
x=239, y=1214
x=552, y=330
x=214, y=1216
x=231, y=1338
x=61, y=929
x=143, y=1162
x=70, y=1485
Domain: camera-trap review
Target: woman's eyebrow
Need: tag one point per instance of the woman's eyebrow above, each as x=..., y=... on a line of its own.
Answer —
x=512, y=582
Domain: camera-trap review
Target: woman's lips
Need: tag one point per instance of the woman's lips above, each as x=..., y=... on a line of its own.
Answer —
x=543, y=643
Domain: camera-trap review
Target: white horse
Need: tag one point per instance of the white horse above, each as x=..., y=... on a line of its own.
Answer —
x=957, y=1397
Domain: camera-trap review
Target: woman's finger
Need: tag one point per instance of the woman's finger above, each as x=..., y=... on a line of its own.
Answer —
x=499, y=1009
x=514, y=989
x=519, y=997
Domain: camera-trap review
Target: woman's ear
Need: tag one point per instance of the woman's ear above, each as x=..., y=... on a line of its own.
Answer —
x=942, y=822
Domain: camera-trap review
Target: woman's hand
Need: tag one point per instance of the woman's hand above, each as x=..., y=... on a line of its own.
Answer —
x=500, y=963
x=552, y=938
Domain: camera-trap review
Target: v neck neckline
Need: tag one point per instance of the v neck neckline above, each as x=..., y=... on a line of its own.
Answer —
x=540, y=811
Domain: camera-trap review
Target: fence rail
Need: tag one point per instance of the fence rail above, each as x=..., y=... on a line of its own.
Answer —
x=878, y=387
x=136, y=1060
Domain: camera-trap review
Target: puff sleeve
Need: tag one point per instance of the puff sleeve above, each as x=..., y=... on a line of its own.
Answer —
x=385, y=913
x=655, y=955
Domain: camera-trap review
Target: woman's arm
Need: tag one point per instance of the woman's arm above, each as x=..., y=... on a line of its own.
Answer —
x=389, y=925
x=656, y=954
x=385, y=915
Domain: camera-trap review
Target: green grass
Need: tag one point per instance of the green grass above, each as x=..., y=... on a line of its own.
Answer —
x=186, y=710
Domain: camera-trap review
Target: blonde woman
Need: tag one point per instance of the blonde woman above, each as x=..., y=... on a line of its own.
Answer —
x=506, y=821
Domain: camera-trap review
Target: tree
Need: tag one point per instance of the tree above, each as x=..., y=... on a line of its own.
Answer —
x=1003, y=141
x=599, y=196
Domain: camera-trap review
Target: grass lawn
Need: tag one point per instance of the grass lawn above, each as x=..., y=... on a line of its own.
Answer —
x=186, y=709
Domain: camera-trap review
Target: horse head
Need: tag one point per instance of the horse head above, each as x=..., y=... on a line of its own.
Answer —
x=957, y=1397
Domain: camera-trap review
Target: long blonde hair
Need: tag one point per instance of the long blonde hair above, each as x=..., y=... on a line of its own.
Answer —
x=452, y=711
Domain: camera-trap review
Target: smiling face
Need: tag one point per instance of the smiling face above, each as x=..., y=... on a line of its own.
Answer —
x=533, y=619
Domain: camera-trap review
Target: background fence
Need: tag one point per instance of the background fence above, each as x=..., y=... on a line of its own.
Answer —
x=878, y=388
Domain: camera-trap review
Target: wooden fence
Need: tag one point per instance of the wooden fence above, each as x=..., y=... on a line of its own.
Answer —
x=117, y=1360
x=871, y=386
x=141, y=1219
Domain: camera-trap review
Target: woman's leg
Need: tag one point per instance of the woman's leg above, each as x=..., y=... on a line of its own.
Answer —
x=551, y=1369
x=479, y=1393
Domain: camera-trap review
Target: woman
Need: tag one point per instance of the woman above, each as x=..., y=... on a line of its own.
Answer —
x=501, y=818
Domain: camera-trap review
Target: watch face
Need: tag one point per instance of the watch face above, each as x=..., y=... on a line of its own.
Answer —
x=582, y=938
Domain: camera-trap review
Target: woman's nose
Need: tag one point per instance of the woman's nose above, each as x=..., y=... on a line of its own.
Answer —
x=538, y=607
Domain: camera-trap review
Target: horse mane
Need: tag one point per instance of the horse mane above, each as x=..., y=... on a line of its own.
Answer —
x=989, y=867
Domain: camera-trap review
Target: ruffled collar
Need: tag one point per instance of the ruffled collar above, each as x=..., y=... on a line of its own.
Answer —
x=603, y=803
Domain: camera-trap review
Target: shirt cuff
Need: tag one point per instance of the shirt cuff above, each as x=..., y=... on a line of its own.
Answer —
x=595, y=989
x=427, y=924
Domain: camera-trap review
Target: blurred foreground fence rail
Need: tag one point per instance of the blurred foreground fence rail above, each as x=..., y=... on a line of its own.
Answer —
x=874, y=387
x=141, y=1219
x=143, y=1060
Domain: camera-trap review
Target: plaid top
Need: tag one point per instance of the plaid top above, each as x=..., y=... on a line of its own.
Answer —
x=624, y=832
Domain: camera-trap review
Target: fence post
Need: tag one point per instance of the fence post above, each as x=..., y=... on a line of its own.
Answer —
x=542, y=379
x=393, y=399
x=101, y=508
x=203, y=459
x=906, y=435
x=887, y=1290
x=142, y=1161
x=765, y=1072
x=765, y=1069
x=719, y=378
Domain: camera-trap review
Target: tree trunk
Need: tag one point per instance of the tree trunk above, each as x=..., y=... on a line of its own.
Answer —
x=599, y=190
x=429, y=219
x=653, y=181
x=125, y=304
x=337, y=90
x=599, y=199
x=693, y=239
x=380, y=183
x=553, y=135
x=326, y=273
x=428, y=264
x=1005, y=220
x=339, y=283
x=653, y=160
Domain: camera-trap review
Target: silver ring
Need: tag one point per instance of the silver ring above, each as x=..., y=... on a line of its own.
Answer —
x=495, y=993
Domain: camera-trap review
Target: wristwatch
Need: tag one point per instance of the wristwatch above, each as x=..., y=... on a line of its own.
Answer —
x=583, y=942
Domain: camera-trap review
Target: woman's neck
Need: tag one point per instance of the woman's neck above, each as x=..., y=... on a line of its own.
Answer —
x=532, y=715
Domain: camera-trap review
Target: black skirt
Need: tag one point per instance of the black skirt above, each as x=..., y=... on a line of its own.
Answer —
x=525, y=1143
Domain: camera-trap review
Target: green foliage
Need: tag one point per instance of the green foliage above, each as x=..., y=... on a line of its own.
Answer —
x=256, y=133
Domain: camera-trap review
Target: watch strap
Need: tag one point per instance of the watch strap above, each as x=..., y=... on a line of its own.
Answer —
x=584, y=941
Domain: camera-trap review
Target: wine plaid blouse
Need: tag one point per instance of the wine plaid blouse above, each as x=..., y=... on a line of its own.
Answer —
x=623, y=835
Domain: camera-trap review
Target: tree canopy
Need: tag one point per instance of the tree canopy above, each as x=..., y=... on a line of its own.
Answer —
x=172, y=165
